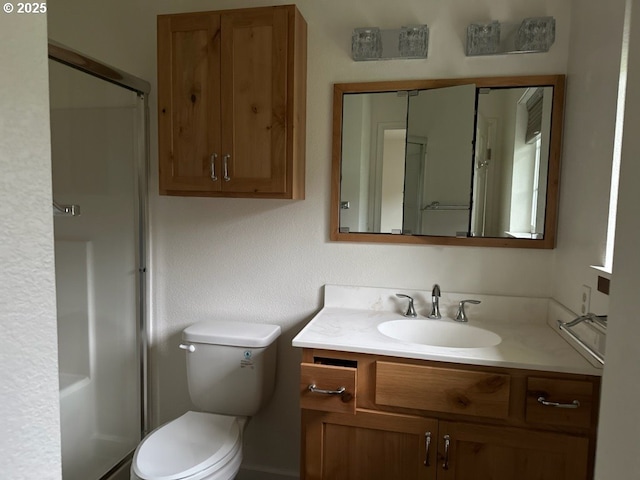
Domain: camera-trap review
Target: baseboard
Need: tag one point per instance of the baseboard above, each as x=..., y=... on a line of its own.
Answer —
x=262, y=473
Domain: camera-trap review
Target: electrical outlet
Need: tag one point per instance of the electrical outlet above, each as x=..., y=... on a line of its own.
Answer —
x=585, y=305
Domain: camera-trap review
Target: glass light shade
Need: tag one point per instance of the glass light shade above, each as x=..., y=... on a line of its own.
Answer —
x=413, y=41
x=536, y=34
x=366, y=44
x=483, y=39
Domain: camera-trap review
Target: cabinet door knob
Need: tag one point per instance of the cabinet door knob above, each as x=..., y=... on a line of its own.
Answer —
x=225, y=166
x=214, y=157
x=546, y=403
x=447, y=442
x=427, y=442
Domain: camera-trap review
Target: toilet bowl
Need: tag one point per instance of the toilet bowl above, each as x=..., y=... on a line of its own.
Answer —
x=195, y=446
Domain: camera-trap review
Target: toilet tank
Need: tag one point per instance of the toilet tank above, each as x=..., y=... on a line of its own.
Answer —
x=231, y=366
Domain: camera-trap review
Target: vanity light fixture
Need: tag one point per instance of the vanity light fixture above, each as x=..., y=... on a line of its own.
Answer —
x=371, y=43
x=532, y=35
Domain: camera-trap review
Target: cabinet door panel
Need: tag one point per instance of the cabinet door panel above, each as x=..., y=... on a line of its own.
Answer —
x=254, y=94
x=188, y=102
x=372, y=446
x=479, y=452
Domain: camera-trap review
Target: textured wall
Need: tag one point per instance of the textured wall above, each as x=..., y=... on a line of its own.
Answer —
x=29, y=414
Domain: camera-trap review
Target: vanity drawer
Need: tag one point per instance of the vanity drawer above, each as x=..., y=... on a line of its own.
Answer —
x=561, y=395
x=442, y=389
x=328, y=380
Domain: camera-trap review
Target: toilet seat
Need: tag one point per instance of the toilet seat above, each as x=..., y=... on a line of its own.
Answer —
x=195, y=443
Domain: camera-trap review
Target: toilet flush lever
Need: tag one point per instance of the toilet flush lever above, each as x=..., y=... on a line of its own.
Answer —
x=190, y=348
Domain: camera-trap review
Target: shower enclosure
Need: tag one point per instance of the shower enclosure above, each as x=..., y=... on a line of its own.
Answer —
x=99, y=146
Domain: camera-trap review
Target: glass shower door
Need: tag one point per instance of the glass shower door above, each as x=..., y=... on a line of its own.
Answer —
x=95, y=137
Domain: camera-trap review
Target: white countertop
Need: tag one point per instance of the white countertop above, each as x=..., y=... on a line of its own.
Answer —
x=526, y=344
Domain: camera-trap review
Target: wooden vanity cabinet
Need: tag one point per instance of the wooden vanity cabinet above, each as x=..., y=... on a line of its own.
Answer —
x=231, y=103
x=413, y=419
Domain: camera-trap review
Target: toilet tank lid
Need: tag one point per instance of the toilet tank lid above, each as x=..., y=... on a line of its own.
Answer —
x=238, y=334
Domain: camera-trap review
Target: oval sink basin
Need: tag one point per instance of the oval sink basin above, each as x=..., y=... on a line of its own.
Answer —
x=438, y=333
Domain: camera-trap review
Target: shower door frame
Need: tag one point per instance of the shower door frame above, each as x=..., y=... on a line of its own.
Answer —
x=79, y=61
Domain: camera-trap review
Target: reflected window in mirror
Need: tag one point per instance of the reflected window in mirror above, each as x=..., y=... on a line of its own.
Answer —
x=511, y=162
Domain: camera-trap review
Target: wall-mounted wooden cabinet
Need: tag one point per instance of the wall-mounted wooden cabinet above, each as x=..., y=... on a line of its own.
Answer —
x=232, y=103
x=412, y=419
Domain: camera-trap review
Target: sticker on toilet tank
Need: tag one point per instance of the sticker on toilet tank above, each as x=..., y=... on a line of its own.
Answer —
x=246, y=362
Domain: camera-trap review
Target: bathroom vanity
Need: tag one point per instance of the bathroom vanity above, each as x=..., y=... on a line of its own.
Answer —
x=380, y=408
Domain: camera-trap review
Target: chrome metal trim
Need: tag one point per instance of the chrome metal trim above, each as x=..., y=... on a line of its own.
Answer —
x=213, y=158
x=144, y=304
x=313, y=389
x=427, y=441
x=66, y=210
x=411, y=311
x=84, y=63
x=461, y=315
x=547, y=403
x=447, y=444
x=225, y=167
x=435, y=302
x=563, y=326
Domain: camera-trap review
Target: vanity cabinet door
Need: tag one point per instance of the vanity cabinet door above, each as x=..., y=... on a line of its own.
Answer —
x=231, y=103
x=368, y=445
x=478, y=452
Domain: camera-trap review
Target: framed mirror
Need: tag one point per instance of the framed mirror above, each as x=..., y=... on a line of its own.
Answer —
x=468, y=161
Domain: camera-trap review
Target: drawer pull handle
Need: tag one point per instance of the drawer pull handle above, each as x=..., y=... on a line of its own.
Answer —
x=427, y=441
x=314, y=389
x=543, y=401
x=447, y=443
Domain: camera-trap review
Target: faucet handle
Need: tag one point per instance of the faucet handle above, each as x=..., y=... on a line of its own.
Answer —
x=461, y=316
x=411, y=311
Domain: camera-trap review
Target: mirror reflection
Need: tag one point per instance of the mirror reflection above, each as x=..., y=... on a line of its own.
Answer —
x=463, y=161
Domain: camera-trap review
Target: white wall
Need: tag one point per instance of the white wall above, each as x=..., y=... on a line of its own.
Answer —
x=619, y=415
x=592, y=89
x=29, y=414
x=266, y=261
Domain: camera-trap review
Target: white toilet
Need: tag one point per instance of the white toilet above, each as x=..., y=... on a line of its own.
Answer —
x=231, y=374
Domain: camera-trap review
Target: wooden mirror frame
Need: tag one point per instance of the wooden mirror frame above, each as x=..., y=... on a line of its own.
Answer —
x=553, y=176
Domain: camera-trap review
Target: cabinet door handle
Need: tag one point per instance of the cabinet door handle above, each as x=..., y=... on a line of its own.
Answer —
x=447, y=442
x=427, y=442
x=225, y=166
x=314, y=389
x=546, y=403
x=214, y=157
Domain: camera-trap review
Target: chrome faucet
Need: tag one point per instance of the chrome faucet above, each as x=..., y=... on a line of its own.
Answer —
x=435, y=302
x=411, y=311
